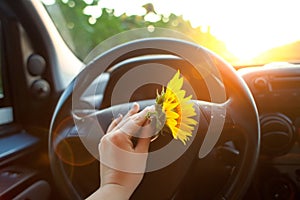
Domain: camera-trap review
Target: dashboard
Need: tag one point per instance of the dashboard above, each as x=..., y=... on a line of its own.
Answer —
x=276, y=90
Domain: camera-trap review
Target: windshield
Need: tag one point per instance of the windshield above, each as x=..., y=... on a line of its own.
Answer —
x=244, y=33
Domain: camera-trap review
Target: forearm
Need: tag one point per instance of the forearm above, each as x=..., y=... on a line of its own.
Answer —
x=111, y=191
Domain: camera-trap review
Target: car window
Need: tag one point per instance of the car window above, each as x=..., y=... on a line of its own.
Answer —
x=242, y=32
x=1, y=84
x=6, y=110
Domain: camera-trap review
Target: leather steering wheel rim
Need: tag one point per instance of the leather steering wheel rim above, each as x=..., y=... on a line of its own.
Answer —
x=243, y=107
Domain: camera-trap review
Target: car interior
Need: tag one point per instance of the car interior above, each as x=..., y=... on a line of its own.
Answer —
x=247, y=145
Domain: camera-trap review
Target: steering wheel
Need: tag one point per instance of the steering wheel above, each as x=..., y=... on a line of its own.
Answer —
x=235, y=107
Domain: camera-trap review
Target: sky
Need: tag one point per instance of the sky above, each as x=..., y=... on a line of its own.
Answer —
x=246, y=27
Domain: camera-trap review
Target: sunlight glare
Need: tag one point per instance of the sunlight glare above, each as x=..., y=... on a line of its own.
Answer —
x=247, y=28
x=258, y=26
x=94, y=11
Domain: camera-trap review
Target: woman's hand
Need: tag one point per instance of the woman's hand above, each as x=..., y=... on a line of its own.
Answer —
x=122, y=162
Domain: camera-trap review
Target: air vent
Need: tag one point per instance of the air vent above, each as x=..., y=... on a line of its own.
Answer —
x=278, y=134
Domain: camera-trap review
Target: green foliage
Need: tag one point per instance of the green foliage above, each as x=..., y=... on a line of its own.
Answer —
x=82, y=36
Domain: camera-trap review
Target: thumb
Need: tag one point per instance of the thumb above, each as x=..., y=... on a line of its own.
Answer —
x=144, y=139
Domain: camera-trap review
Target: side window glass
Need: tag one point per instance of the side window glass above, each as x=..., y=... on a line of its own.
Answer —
x=1, y=63
x=6, y=110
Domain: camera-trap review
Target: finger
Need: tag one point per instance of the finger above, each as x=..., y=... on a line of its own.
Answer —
x=114, y=123
x=134, y=123
x=142, y=145
x=141, y=117
x=134, y=109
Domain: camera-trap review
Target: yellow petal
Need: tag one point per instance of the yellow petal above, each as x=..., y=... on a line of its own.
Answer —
x=171, y=115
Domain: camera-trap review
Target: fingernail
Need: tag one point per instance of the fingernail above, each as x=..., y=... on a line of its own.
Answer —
x=135, y=105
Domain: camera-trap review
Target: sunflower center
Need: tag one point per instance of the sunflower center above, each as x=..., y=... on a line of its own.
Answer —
x=174, y=100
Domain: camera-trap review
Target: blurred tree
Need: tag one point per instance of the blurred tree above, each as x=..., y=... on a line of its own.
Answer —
x=85, y=31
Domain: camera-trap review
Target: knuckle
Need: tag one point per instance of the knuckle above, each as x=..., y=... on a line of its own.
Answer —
x=104, y=139
x=117, y=139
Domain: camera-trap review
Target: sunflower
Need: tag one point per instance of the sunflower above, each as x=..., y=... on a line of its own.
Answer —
x=177, y=109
